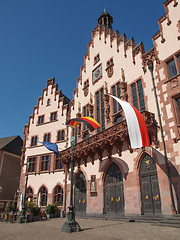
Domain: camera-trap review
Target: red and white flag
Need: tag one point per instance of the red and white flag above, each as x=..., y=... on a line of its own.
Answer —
x=137, y=129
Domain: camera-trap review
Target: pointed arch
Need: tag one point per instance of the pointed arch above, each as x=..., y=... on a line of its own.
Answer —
x=104, y=166
x=77, y=172
x=43, y=193
x=58, y=194
x=29, y=193
x=138, y=159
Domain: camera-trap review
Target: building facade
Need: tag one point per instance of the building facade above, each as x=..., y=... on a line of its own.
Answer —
x=109, y=176
x=10, y=169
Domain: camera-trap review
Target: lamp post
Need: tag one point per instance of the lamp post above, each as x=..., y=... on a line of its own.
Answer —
x=151, y=68
x=22, y=213
x=71, y=225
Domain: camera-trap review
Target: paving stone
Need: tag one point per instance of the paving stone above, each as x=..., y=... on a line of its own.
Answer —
x=92, y=229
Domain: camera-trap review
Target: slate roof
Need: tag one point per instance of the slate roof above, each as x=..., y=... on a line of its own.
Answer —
x=11, y=144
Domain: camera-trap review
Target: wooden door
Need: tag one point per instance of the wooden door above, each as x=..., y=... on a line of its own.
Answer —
x=150, y=194
x=80, y=194
x=114, y=194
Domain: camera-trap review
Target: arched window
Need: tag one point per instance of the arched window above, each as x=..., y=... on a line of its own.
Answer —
x=58, y=195
x=44, y=193
x=29, y=194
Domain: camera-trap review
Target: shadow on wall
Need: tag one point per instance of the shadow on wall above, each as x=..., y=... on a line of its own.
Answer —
x=174, y=175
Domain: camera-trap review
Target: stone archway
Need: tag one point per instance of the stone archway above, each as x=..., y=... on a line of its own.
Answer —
x=114, y=191
x=150, y=194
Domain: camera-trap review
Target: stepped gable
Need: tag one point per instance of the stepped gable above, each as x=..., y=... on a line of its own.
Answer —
x=58, y=96
x=166, y=18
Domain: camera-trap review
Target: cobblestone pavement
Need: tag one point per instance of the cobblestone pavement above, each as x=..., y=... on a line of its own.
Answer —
x=92, y=229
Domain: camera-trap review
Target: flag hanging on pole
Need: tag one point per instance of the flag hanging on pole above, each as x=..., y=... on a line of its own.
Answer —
x=51, y=146
x=137, y=129
x=89, y=121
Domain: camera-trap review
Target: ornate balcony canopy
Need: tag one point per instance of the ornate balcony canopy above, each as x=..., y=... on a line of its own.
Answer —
x=105, y=140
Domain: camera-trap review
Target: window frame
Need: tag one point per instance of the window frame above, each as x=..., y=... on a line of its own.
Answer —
x=47, y=137
x=138, y=92
x=57, y=194
x=34, y=141
x=43, y=195
x=60, y=135
x=53, y=116
x=45, y=159
x=32, y=165
x=100, y=109
x=59, y=163
x=176, y=108
x=41, y=119
x=117, y=93
x=176, y=59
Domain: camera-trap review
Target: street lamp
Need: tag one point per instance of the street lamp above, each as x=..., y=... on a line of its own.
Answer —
x=71, y=225
x=151, y=68
x=23, y=211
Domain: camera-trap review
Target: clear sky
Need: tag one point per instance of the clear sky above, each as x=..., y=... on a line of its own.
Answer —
x=40, y=39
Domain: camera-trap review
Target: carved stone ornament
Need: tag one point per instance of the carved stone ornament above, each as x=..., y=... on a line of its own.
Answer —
x=86, y=87
x=110, y=71
x=123, y=86
x=107, y=112
x=86, y=91
x=174, y=83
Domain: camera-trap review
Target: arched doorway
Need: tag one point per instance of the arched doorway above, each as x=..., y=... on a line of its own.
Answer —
x=150, y=194
x=114, y=192
x=80, y=194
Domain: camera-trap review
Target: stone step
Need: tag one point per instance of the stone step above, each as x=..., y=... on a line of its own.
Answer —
x=175, y=225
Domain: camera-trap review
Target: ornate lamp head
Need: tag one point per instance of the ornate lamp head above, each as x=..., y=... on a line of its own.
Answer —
x=150, y=65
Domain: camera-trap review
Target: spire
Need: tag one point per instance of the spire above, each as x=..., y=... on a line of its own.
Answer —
x=105, y=20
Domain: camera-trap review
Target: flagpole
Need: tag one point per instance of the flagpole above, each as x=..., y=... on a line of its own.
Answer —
x=65, y=184
x=71, y=225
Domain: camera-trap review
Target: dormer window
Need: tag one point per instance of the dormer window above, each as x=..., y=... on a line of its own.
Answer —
x=49, y=102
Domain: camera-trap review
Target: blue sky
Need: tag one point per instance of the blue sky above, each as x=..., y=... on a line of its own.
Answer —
x=41, y=39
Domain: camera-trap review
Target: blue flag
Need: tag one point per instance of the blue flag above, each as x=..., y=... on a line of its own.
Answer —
x=51, y=146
